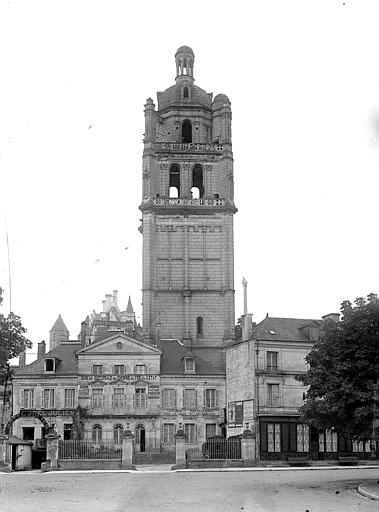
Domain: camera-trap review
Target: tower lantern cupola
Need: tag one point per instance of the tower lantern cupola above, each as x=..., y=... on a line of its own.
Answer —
x=184, y=59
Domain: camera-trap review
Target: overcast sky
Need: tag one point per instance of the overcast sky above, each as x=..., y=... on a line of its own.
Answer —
x=303, y=80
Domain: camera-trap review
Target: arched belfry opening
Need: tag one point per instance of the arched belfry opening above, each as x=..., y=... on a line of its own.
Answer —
x=197, y=190
x=187, y=131
x=174, y=181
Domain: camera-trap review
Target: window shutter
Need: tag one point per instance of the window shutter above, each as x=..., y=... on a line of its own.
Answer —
x=216, y=398
x=293, y=443
x=195, y=432
x=204, y=398
x=134, y=399
x=196, y=399
x=175, y=398
x=22, y=398
x=263, y=437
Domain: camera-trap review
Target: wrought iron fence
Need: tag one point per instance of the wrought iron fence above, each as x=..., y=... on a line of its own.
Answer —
x=81, y=449
x=216, y=447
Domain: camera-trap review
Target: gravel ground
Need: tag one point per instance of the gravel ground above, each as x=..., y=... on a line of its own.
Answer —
x=292, y=491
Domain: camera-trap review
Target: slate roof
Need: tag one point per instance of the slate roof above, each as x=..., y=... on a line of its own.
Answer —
x=59, y=325
x=207, y=361
x=65, y=352
x=285, y=329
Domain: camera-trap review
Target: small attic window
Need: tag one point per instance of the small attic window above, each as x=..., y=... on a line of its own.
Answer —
x=49, y=365
x=272, y=332
x=189, y=364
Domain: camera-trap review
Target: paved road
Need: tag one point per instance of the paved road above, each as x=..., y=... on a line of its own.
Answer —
x=248, y=491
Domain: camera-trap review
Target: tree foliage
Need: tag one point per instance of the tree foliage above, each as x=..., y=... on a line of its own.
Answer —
x=343, y=371
x=12, y=340
x=238, y=329
x=78, y=419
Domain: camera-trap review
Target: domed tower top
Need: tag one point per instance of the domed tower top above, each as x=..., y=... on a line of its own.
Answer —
x=184, y=59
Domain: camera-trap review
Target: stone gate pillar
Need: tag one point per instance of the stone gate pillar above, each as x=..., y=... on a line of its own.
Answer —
x=127, y=450
x=180, y=445
x=52, y=451
x=248, y=448
x=5, y=466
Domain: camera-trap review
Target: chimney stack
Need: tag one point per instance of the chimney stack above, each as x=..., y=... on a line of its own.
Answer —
x=22, y=360
x=115, y=292
x=41, y=349
x=247, y=326
x=332, y=316
x=108, y=301
x=104, y=306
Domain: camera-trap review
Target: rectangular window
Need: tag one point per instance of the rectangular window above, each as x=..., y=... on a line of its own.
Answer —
x=190, y=432
x=97, y=369
x=168, y=433
x=67, y=428
x=27, y=398
x=273, y=395
x=210, y=430
x=302, y=438
x=140, y=397
x=272, y=361
x=189, y=399
x=273, y=437
x=119, y=369
x=69, y=398
x=210, y=398
x=118, y=397
x=331, y=441
x=28, y=433
x=168, y=398
x=140, y=368
x=48, y=398
x=321, y=442
x=97, y=398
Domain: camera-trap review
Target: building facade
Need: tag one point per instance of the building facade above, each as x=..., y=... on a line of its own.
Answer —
x=172, y=371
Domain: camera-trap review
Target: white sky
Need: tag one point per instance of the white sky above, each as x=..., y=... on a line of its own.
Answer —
x=303, y=79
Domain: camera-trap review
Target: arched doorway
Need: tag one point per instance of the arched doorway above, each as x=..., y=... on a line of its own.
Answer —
x=140, y=438
x=39, y=450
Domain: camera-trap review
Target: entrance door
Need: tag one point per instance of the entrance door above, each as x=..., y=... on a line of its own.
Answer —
x=140, y=438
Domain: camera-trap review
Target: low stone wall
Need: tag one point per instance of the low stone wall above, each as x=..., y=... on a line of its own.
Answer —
x=214, y=463
x=89, y=464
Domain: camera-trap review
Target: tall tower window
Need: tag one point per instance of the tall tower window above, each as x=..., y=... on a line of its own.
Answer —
x=185, y=92
x=187, y=132
x=197, y=190
x=174, y=181
x=199, y=326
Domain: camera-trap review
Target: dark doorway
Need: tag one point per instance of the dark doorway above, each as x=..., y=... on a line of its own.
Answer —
x=14, y=456
x=140, y=437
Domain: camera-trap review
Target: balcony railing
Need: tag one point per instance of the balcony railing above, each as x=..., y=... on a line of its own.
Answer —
x=178, y=146
x=169, y=201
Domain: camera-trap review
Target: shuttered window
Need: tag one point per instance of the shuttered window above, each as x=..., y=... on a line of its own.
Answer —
x=210, y=398
x=190, y=432
x=169, y=398
x=189, y=399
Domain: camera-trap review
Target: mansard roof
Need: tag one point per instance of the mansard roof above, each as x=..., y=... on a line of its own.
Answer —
x=65, y=352
x=284, y=329
x=59, y=325
x=209, y=361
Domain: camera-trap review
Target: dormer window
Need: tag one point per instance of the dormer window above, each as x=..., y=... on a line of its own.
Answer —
x=50, y=365
x=189, y=364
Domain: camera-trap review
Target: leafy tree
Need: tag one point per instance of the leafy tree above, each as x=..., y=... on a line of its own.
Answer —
x=12, y=343
x=343, y=373
x=238, y=329
x=12, y=340
x=78, y=420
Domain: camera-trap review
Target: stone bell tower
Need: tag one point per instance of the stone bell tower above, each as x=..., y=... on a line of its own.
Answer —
x=187, y=214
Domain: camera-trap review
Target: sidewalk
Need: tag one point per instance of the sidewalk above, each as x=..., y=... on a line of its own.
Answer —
x=370, y=489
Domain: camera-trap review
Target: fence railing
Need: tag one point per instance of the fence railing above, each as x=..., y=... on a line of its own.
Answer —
x=80, y=449
x=215, y=448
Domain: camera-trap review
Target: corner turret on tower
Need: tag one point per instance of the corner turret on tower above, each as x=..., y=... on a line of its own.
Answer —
x=58, y=333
